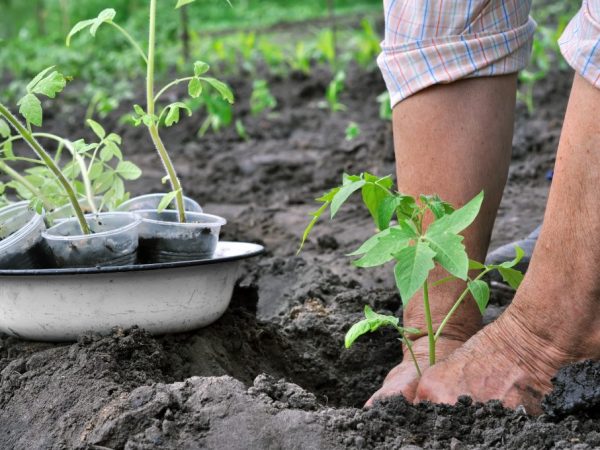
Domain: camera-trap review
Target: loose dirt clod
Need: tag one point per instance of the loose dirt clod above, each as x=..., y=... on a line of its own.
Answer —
x=576, y=391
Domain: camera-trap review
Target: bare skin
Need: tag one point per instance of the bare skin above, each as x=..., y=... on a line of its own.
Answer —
x=461, y=131
x=555, y=316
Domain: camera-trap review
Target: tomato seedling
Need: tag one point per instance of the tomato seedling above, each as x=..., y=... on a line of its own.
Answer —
x=169, y=114
x=416, y=250
x=89, y=173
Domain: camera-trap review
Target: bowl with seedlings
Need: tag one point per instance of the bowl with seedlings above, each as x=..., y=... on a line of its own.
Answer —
x=95, y=257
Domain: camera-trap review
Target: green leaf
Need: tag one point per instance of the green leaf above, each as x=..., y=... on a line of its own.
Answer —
x=79, y=26
x=475, y=265
x=481, y=293
x=171, y=112
x=50, y=85
x=459, y=219
x=519, y=256
x=370, y=243
x=113, y=137
x=200, y=68
x=96, y=128
x=119, y=188
x=511, y=276
x=33, y=83
x=195, y=88
x=96, y=170
x=385, y=249
x=372, y=322
x=4, y=129
x=30, y=108
x=109, y=151
x=386, y=211
x=436, y=205
x=181, y=3
x=450, y=253
x=220, y=87
x=128, y=170
x=316, y=215
x=7, y=150
x=106, y=15
x=343, y=194
x=167, y=199
x=373, y=195
x=412, y=269
x=103, y=183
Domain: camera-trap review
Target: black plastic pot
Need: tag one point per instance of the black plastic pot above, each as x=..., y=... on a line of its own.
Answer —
x=164, y=239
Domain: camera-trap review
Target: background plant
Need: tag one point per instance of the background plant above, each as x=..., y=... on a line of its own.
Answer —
x=415, y=250
x=261, y=98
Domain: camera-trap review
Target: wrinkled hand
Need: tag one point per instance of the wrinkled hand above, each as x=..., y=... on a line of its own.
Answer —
x=404, y=379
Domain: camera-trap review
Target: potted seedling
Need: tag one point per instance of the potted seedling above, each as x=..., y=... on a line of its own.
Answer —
x=179, y=234
x=93, y=240
x=415, y=249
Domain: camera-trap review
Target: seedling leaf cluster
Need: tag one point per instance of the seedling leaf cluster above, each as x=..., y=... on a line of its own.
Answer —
x=416, y=235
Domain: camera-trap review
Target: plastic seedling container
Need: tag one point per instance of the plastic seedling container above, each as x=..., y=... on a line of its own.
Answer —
x=20, y=237
x=151, y=201
x=164, y=239
x=66, y=211
x=113, y=242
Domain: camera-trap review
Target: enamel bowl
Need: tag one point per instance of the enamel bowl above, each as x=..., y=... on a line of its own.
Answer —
x=61, y=304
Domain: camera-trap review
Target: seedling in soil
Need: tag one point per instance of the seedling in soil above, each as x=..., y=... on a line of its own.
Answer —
x=352, y=131
x=332, y=94
x=416, y=250
x=301, y=58
x=219, y=113
x=261, y=98
x=170, y=114
x=367, y=45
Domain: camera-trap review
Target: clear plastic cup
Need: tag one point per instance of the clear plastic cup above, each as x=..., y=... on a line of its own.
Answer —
x=164, y=239
x=113, y=242
x=20, y=237
x=66, y=211
x=151, y=201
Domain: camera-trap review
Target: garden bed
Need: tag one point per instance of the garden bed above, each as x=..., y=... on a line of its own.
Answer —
x=222, y=386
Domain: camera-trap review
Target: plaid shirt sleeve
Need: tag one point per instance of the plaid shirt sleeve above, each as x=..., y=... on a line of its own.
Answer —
x=431, y=42
x=580, y=43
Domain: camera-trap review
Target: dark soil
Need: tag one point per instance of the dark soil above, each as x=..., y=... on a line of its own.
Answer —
x=273, y=373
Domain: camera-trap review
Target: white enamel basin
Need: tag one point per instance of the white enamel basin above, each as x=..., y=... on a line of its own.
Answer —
x=61, y=304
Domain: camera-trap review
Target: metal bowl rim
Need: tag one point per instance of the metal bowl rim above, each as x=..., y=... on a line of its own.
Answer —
x=258, y=250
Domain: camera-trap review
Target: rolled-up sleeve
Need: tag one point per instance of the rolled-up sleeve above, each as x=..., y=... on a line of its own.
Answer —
x=430, y=42
x=580, y=42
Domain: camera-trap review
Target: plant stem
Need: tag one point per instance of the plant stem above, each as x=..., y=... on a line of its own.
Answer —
x=153, y=128
x=131, y=40
x=89, y=192
x=430, y=334
x=438, y=333
x=22, y=180
x=49, y=162
x=410, y=350
x=171, y=84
